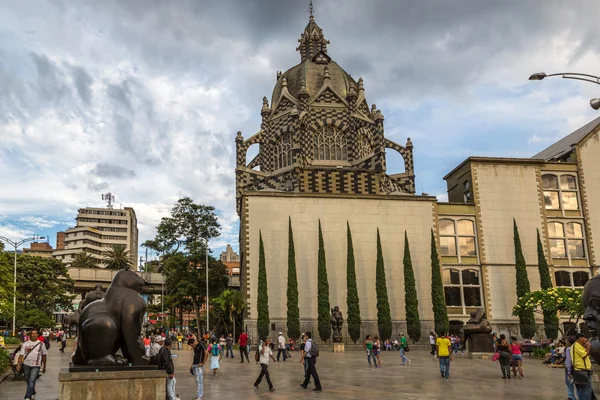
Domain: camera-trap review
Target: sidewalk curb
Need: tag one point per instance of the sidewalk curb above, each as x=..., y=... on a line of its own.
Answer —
x=5, y=375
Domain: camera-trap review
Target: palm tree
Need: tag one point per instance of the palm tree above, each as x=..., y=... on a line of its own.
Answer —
x=117, y=257
x=83, y=260
x=236, y=304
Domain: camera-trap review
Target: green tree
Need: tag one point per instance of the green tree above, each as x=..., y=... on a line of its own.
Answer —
x=526, y=320
x=227, y=307
x=117, y=257
x=263, y=293
x=352, y=299
x=550, y=318
x=411, y=303
x=84, y=260
x=438, y=301
x=293, y=311
x=324, y=312
x=384, y=318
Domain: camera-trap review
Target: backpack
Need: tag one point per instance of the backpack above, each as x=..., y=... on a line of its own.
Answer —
x=314, y=350
x=215, y=350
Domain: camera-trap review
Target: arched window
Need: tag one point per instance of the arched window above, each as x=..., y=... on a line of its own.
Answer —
x=574, y=280
x=462, y=237
x=560, y=193
x=283, y=151
x=462, y=288
x=330, y=144
x=566, y=241
x=364, y=146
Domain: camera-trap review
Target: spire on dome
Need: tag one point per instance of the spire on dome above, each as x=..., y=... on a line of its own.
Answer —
x=312, y=39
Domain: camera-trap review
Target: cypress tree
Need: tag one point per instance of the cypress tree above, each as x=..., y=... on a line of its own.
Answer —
x=550, y=318
x=324, y=313
x=293, y=312
x=384, y=319
x=527, y=320
x=263, y=295
x=352, y=300
x=411, y=302
x=438, y=301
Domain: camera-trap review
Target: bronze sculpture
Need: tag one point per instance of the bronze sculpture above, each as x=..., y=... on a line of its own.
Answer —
x=337, y=319
x=591, y=301
x=477, y=333
x=478, y=323
x=96, y=294
x=72, y=319
x=113, y=323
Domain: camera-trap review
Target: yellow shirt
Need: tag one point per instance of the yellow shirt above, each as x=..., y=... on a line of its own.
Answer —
x=1, y=341
x=443, y=344
x=580, y=358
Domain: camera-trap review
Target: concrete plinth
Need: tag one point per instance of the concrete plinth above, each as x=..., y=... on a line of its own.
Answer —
x=481, y=343
x=480, y=355
x=338, y=347
x=112, y=385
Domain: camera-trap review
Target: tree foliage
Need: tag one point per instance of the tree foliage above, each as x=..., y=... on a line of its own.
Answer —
x=324, y=312
x=352, y=300
x=228, y=307
x=117, y=257
x=438, y=301
x=411, y=303
x=526, y=320
x=384, y=318
x=550, y=318
x=84, y=260
x=263, y=293
x=293, y=311
x=561, y=299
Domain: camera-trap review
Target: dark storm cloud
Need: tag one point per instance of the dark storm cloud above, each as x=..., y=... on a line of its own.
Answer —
x=106, y=170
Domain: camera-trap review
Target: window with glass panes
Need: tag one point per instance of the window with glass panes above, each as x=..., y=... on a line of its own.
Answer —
x=567, y=240
x=572, y=279
x=457, y=237
x=560, y=192
x=462, y=288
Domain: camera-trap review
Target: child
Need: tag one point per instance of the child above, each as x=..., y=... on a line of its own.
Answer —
x=215, y=355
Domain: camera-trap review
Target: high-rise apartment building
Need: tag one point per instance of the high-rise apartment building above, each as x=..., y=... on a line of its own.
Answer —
x=96, y=230
x=229, y=255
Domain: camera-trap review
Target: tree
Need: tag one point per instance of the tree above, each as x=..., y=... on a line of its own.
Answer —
x=293, y=311
x=352, y=299
x=438, y=301
x=263, y=293
x=526, y=320
x=550, y=318
x=227, y=307
x=83, y=260
x=117, y=257
x=384, y=318
x=324, y=312
x=411, y=303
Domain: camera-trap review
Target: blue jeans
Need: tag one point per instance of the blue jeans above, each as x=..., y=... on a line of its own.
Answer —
x=198, y=373
x=585, y=392
x=228, y=351
x=171, y=388
x=371, y=355
x=445, y=366
x=404, y=358
x=31, y=375
x=570, y=386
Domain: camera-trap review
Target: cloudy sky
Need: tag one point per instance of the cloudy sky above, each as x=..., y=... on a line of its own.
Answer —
x=144, y=98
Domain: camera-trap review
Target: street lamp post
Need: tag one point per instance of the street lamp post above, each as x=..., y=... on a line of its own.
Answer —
x=207, y=301
x=594, y=103
x=16, y=245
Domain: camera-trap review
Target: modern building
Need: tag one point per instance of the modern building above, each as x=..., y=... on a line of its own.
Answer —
x=96, y=230
x=42, y=249
x=322, y=164
x=231, y=260
x=60, y=240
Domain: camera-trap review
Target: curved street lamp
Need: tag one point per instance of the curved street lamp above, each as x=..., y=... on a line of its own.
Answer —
x=16, y=245
x=594, y=103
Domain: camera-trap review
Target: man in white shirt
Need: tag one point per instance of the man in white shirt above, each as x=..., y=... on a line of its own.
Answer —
x=265, y=353
x=32, y=357
x=281, y=347
x=432, y=343
x=310, y=357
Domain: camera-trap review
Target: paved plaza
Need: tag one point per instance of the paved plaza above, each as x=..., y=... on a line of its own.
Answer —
x=344, y=376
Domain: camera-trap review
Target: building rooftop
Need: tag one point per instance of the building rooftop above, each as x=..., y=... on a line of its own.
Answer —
x=565, y=145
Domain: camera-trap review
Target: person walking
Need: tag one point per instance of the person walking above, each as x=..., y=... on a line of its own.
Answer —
x=281, y=347
x=581, y=370
x=504, y=349
x=200, y=354
x=147, y=342
x=243, y=342
x=377, y=350
x=569, y=369
x=179, y=341
x=368, y=346
x=216, y=354
x=63, y=342
x=302, y=347
x=229, y=346
x=442, y=348
x=32, y=358
x=403, y=348
x=165, y=361
x=516, y=354
x=432, y=342
x=311, y=352
x=265, y=353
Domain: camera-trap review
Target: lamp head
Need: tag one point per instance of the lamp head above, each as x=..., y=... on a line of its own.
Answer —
x=538, y=76
x=595, y=103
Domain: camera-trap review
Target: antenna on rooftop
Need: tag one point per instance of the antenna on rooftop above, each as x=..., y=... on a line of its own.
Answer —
x=109, y=198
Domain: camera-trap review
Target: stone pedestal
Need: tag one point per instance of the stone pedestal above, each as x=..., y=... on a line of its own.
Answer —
x=113, y=385
x=338, y=347
x=595, y=378
x=481, y=343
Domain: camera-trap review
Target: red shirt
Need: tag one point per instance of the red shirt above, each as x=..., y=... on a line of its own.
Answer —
x=243, y=340
x=147, y=341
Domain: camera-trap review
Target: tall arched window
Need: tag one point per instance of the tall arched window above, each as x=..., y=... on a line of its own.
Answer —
x=330, y=144
x=283, y=151
x=560, y=192
x=462, y=288
x=566, y=241
x=364, y=146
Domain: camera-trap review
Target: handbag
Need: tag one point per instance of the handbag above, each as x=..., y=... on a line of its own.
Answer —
x=496, y=356
x=580, y=376
x=406, y=348
x=192, y=370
